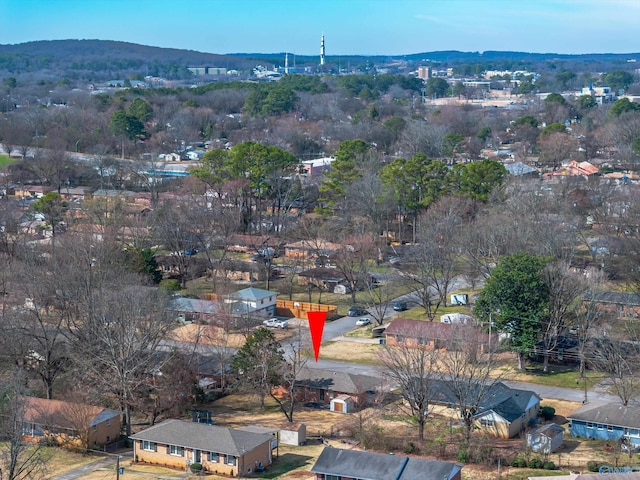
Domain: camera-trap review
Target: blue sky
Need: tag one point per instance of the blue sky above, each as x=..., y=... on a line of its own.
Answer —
x=368, y=27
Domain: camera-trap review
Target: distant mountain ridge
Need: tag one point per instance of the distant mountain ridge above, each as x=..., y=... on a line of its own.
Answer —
x=100, y=58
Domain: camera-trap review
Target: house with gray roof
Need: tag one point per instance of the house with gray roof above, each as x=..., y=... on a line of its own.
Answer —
x=502, y=411
x=255, y=301
x=340, y=391
x=221, y=450
x=606, y=421
x=337, y=464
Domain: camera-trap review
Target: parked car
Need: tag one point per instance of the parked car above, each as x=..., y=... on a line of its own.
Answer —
x=400, y=306
x=356, y=312
x=363, y=321
x=275, y=323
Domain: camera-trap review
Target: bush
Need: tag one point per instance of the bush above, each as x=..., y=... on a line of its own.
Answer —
x=410, y=448
x=535, y=463
x=170, y=285
x=519, y=462
x=462, y=455
x=195, y=467
x=594, y=466
x=547, y=412
x=549, y=466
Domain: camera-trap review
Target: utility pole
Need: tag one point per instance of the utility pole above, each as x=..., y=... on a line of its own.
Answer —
x=118, y=468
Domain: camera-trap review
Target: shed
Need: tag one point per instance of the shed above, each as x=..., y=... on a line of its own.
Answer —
x=342, y=404
x=293, y=434
x=459, y=299
x=546, y=439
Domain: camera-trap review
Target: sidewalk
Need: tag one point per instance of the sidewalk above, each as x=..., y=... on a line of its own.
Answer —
x=357, y=339
x=109, y=464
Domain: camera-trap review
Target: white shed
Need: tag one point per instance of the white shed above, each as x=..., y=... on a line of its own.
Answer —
x=293, y=434
x=342, y=404
x=546, y=439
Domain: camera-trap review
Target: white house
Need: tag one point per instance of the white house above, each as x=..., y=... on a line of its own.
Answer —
x=254, y=301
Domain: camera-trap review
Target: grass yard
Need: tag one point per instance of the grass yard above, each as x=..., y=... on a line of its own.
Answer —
x=5, y=161
x=351, y=352
x=558, y=376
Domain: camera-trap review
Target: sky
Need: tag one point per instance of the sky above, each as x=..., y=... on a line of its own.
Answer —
x=350, y=27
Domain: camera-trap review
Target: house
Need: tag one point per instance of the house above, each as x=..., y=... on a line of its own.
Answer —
x=253, y=301
x=522, y=170
x=340, y=464
x=187, y=310
x=434, y=335
x=502, y=411
x=307, y=249
x=618, y=303
x=237, y=271
x=321, y=277
x=222, y=450
x=86, y=425
x=546, y=439
x=606, y=421
x=349, y=390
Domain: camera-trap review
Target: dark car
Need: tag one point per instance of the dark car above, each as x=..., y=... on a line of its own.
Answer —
x=356, y=312
x=400, y=306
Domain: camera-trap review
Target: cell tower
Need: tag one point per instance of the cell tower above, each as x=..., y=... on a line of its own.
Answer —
x=286, y=63
x=322, y=50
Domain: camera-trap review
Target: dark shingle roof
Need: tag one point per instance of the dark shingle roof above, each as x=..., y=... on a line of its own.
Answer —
x=509, y=403
x=379, y=466
x=338, y=381
x=203, y=437
x=609, y=414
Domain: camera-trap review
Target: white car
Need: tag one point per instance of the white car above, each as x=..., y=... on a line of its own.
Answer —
x=275, y=323
x=363, y=321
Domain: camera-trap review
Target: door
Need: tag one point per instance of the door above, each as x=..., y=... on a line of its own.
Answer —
x=197, y=456
x=337, y=407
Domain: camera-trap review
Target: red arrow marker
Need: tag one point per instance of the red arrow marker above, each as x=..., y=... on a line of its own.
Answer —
x=316, y=325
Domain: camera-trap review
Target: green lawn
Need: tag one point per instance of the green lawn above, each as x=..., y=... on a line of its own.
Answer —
x=558, y=376
x=5, y=161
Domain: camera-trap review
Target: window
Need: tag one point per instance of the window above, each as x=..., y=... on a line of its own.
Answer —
x=175, y=450
x=332, y=477
x=108, y=422
x=231, y=460
x=214, y=457
x=95, y=428
x=589, y=425
x=486, y=422
x=149, y=446
x=610, y=428
x=321, y=393
x=108, y=438
x=600, y=426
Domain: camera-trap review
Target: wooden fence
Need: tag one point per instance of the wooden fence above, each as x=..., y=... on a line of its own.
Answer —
x=288, y=308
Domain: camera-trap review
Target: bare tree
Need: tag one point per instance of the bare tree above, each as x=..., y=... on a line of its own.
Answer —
x=566, y=288
x=432, y=263
x=467, y=369
x=620, y=361
x=19, y=459
x=412, y=369
x=289, y=373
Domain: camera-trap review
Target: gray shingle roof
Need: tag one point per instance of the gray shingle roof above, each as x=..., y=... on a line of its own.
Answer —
x=252, y=294
x=609, y=414
x=379, y=466
x=509, y=403
x=210, y=438
x=337, y=381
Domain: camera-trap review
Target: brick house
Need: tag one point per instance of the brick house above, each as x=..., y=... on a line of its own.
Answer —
x=340, y=464
x=66, y=422
x=221, y=450
x=335, y=389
